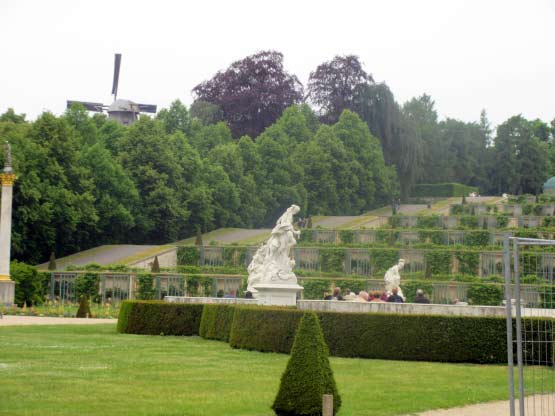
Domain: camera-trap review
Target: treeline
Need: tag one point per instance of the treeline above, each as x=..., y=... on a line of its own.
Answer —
x=85, y=181
x=252, y=93
x=254, y=141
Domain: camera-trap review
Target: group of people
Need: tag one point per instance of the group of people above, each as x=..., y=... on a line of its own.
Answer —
x=379, y=297
x=302, y=222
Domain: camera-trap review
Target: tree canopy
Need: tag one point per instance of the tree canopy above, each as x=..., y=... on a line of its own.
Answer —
x=252, y=93
x=246, y=149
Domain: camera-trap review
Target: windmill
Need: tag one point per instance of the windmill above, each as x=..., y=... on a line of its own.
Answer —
x=123, y=111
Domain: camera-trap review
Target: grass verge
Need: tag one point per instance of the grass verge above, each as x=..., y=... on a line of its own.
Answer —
x=91, y=370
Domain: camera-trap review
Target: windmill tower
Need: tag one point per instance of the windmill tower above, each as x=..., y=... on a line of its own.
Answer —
x=123, y=111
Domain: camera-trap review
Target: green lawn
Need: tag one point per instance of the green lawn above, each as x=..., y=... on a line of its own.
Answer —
x=92, y=370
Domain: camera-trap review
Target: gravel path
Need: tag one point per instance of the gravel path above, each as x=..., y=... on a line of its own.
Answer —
x=482, y=409
x=12, y=320
x=543, y=407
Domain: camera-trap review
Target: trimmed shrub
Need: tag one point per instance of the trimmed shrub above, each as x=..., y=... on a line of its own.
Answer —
x=188, y=256
x=432, y=236
x=87, y=284
x=123, y=318
x=478, y=238
x=331, y=260
x=84, y=310
x=159, y=318
x=30, y=285
x=346, y=236
x=432, y=221
x=315, y=288
x=416, y=337
x=146, y=291
x=438, y=262
x=503, y=221
x=155, y=265
x=234, y=256
x=480, y=294
x=216, y=321
x=193, y=284
x=387, y=236
x=468, y=262
x=378, y=336
x=207, y=284
x=52, y=262
x=308, y=375
x=264, y=329
x=198, y=239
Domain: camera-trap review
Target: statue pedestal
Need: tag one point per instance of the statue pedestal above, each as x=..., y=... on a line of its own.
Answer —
x=7, y=292
x=277, y=294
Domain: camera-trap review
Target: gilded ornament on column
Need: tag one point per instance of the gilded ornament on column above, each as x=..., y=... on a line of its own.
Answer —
x=7, y=179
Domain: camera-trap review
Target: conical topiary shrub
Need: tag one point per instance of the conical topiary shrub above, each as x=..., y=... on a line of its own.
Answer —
x=198, y=240
x=52, y=262
x=308, y=375
x=84, y=310
x=155, y=265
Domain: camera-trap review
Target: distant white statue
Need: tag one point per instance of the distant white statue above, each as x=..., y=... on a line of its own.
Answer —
x=272, y=262
x=392, y=278
x=505, y=196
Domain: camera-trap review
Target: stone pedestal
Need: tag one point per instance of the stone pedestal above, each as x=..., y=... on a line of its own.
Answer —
x=277, y=294
x=7, y=292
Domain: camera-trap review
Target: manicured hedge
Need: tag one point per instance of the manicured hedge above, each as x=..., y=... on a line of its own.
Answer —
x=416, y=337
x=365, y=335
x=264, y=329
x=123, y=318
x=216, y=321
x=441, y=189
x=159, y=318
x=382, y=336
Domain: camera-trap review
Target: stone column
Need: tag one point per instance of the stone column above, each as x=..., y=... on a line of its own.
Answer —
x=7, y=178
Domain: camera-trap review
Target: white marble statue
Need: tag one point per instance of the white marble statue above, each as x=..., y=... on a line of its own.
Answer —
x=272, y=262
x=392, y=278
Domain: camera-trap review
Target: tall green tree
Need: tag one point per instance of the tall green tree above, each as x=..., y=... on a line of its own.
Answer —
x=150, y=158
x=176, y=118
x=116, y=198
x=521, y=160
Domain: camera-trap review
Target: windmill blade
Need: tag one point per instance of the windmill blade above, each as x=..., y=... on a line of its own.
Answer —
x=147, y=108
x=98, y=107
x=117, y=63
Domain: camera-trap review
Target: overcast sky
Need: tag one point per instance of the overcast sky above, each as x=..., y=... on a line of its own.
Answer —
x=468, y=55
